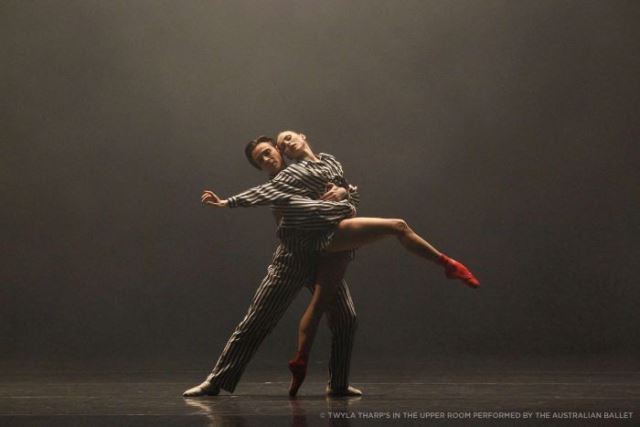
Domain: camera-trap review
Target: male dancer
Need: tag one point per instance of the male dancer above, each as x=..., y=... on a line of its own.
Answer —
x=290, y=269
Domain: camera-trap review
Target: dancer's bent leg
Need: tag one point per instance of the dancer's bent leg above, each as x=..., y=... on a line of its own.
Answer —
x=331, y=269
x=353, y=233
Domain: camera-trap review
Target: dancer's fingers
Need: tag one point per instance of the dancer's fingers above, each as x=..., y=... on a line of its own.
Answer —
x=331, y=196
x=210, y=195
x=331, y=193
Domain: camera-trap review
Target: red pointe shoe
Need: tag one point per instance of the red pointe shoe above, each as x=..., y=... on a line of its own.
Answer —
x=298, y=368
x=455, y=270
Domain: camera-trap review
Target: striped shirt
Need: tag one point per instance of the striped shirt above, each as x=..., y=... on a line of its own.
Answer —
x=304, y=178
x=306, y=222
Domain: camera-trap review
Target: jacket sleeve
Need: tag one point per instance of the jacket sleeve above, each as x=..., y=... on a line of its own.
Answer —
x=279, y=189
x=353, y=195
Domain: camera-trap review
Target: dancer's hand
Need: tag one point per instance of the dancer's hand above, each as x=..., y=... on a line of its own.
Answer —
x=210, y=198
x=334, y=193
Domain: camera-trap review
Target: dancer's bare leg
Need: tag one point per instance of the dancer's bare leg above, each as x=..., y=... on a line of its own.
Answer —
x=353, y=233
x=330, y=271
x=356, y=232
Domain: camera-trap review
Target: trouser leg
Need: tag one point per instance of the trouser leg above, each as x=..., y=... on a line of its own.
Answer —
x=273, y=297
x=341, y=317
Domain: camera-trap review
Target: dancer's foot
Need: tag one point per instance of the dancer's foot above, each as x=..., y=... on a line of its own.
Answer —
x=204, y=389
x=298, y=368
x=345, y=392
x=455, y=270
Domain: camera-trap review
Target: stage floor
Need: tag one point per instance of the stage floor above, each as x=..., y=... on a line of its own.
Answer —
x=524, y=397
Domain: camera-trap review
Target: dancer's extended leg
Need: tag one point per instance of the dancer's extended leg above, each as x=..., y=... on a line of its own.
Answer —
x=353, y=233
x=331, y=269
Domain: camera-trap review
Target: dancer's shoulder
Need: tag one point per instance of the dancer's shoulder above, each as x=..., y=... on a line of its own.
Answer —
x=328, y=157
x=331, y=160
x=291, y=172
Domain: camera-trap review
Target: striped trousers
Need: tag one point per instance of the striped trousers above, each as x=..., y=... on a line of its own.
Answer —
x=287, y=274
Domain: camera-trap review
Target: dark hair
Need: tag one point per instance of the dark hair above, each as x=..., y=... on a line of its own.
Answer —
x=248, y=150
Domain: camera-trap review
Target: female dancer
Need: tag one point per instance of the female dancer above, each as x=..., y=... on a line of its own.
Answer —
x=307, y=179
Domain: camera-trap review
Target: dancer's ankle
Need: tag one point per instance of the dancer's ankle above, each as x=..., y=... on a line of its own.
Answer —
x=443, y=259
x=301, y=357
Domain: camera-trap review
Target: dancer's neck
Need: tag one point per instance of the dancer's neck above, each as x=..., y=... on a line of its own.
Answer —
x=308, y=155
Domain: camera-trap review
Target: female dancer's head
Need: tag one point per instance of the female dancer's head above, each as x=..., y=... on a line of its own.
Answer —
x=294, y=145
x=263, y=154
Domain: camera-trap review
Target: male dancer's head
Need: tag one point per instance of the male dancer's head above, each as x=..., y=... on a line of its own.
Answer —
x=263, y=154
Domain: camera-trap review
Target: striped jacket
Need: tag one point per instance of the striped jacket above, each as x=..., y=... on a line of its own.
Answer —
x=293, y=195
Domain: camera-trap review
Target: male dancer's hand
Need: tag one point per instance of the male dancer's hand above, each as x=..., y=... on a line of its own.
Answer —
x=334, y=193
x=210, y=198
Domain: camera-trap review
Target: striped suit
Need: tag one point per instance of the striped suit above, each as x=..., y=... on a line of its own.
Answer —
x=305, y=228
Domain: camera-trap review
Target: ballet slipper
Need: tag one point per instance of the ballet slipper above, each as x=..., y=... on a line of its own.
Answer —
x=456, y=270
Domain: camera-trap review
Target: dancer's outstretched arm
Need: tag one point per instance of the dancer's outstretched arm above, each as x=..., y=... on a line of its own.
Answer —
x=296, y=212
x=294, y=180
x=278, y=189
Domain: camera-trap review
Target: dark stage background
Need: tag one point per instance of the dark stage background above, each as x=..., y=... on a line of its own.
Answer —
x=504, y=132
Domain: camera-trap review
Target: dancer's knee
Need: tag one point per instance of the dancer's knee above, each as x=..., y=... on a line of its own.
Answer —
x=399, y=226
x=319, y=308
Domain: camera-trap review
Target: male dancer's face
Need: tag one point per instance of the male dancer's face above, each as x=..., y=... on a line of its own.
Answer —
x=268, y=158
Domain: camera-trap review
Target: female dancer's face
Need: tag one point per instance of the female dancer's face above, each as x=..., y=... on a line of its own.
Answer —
x=292, y=144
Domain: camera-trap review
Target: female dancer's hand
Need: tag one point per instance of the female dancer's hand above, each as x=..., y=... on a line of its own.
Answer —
x=210, y=198
x=334, y=193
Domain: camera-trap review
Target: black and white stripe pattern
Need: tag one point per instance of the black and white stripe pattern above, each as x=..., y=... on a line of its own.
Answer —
x=305, y=179
x=306, y=227
x=287, y=273
x=301, y=213
x=306, y=223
